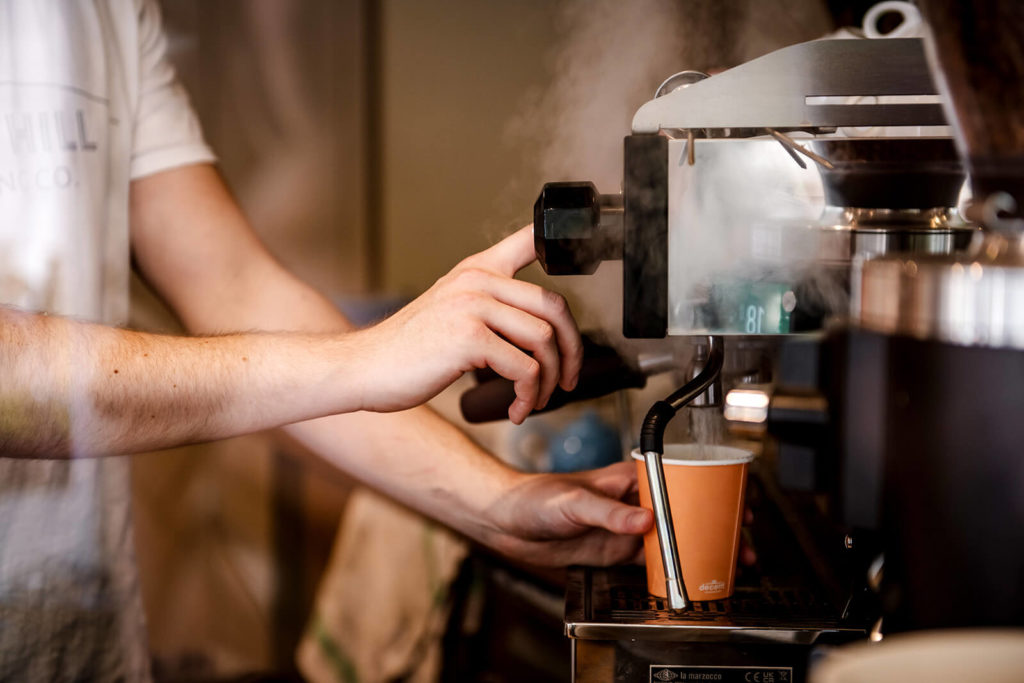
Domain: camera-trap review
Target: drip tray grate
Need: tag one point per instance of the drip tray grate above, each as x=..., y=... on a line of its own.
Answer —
x=613, y=603
x=634, y=603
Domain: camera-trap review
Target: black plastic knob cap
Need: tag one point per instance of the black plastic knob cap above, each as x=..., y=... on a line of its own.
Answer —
x=568, y=233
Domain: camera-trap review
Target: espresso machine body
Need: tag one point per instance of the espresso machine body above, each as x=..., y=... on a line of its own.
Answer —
x=887, y=497
x=722, y=228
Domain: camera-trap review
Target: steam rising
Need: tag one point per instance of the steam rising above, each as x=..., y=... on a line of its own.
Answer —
x=739, y=236
x=747, y=211
x=613, y=57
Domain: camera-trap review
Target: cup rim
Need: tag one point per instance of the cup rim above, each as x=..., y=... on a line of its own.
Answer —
x=739, y=455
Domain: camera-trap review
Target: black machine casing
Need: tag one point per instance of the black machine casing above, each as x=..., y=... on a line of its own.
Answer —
x=922, y=448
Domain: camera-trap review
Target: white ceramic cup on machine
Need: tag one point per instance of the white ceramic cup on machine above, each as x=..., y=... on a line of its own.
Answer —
x=910, y=25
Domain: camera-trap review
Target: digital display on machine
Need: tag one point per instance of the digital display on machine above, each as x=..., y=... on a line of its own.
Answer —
x=739, y=238
x=749, y=308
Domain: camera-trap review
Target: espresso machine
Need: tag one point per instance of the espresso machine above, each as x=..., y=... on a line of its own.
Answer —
x=888, y=496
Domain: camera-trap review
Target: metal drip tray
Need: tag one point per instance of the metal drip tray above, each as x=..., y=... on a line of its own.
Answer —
x=613, y=604
x=747, y=605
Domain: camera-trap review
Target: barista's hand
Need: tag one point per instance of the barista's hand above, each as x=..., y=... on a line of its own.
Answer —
x=475, y=316
x=562, y=519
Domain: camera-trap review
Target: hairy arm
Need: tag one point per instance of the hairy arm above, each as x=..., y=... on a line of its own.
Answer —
x=76, y=389
x=217, y=276
x=273, y=351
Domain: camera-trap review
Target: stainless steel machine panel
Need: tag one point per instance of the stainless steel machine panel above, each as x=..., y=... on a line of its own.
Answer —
x=763, y=633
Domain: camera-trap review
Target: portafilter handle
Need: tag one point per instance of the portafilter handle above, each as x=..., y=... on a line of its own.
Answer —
x=603, y=371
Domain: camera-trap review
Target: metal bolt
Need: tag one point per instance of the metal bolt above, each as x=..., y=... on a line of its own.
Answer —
x=875, y=573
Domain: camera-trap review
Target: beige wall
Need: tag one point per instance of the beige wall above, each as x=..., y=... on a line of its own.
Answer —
x=454, y=74
x=484, y=101
x=279, y=87
x=231, y=537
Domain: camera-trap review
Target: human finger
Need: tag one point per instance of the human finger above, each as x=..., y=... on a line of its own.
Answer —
x=510, y=255
x=596, y=547
x=603, y=548
x=546, y=305
x=529, y=333
x=524, y=371
x=587, y=508
x=614, y=480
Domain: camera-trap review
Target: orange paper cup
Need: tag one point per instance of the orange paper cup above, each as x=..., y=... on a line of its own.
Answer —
x=706, y=485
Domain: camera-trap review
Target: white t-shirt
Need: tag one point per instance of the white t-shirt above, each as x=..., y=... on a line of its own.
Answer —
x=88, y=102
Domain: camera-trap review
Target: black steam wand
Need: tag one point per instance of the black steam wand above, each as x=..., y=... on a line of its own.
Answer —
x=652, y=445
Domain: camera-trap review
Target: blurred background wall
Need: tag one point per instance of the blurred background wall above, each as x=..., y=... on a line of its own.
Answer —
x=374, y=144
x=365, y=142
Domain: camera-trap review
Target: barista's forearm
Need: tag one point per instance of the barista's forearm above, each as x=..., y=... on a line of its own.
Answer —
x=418, y=458
x=74, y=389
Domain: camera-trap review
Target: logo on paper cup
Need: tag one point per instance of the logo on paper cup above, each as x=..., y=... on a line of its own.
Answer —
x=713, y=586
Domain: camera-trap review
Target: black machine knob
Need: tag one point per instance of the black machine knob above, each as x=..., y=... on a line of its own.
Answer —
x=575, y=228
